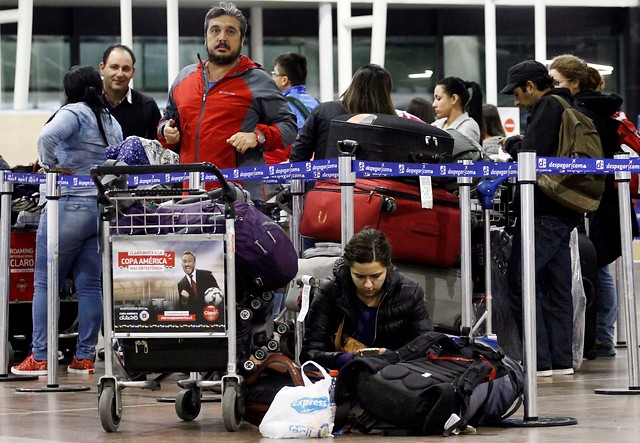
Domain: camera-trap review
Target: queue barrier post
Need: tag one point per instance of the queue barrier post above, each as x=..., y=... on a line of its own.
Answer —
x=626, y=288
x=466, y=282
x=297, y=195
x=53, y=292
x=6, y=190
x=486, y=190
x=347, y=180
x=526, y=182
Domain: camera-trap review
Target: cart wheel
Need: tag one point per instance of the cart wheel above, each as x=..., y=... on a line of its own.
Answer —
x=108, y=410
x=231, y=408
x=591, y=354
x=282, y=328
x=188, y=404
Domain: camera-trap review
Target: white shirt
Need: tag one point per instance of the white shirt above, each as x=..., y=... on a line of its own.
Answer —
x=463, y=124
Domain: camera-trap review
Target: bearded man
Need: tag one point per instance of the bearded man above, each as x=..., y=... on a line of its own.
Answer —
x=226, y=110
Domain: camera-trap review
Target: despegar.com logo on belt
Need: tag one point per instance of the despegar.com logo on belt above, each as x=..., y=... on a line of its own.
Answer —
x=307, y=405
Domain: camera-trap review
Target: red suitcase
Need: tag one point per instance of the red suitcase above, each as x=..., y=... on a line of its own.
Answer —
x=429, y=236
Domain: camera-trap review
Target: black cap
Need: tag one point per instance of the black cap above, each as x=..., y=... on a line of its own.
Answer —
x=523, y=71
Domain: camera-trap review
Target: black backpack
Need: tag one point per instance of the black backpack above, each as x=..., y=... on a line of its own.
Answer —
x=433, y=385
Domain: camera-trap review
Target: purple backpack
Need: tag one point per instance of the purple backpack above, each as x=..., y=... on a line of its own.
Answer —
x=265, y=256
x=264, y=252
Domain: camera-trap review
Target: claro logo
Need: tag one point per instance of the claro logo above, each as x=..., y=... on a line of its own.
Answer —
x=307, y=405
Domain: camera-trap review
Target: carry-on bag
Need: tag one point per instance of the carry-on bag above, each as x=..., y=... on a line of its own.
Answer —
x=390, y=138
x=436, y=384
x=417, y=234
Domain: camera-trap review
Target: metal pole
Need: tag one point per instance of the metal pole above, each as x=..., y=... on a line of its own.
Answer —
x=53, y=291
x=6, y=188
x=621, y=326
x=5, y=237
x=23, y=55
x=347, y=180
x=297, y=194
x=195, y=180
x=526, y=182
x=464, y=184
x=490, y=57
x=378, y=32
x=626, y=288
x=488, y=293
x=257, y=36
x=325, y=53
x=173, y=41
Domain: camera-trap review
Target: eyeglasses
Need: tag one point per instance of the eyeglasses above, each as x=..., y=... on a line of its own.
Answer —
x=275, y=74
x=557, y=83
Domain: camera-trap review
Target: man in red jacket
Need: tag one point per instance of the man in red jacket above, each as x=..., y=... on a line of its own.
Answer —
x=226, y=110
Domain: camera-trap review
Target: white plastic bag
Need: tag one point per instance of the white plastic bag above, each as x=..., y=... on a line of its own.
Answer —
x=301, y=411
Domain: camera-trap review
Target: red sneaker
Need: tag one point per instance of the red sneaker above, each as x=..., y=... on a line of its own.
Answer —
x=30, y=366
x=81, y=366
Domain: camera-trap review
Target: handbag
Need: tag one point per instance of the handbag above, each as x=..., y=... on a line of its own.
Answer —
x=345, y=343
x=301, y=411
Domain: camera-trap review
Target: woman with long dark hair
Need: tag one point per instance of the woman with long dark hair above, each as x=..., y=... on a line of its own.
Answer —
x=72, y=142
x=458, y=109
x=369, y=92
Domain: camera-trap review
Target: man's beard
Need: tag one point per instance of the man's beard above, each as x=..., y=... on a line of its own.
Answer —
x=223, y=60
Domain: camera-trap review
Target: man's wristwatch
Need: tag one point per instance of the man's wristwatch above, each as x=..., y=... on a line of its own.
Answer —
x=260, y=138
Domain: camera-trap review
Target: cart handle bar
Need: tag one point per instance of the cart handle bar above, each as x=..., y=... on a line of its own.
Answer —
x=97, y=172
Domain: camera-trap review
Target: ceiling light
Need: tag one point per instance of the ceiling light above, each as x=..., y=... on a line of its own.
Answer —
x=426, y=74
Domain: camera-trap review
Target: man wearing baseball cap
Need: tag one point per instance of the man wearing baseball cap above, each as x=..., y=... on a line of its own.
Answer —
x=532, y=89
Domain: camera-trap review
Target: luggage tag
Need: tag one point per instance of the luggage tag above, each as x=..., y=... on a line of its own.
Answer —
x=426, y=192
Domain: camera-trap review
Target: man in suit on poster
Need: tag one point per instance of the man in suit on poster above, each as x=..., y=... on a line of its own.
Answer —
x=197, y=288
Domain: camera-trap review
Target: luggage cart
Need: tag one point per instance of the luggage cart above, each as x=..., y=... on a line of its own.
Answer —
x=155, y=326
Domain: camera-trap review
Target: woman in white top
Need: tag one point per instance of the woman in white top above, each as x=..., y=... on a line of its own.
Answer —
x=457, y=109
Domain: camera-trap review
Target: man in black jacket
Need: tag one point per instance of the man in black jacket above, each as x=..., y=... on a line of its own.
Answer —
x=532, y=89
x=137, y=113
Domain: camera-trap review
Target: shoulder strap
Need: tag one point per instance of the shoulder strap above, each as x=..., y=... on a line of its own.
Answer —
x=562, y=101
x=299, y=106
x=338, y=337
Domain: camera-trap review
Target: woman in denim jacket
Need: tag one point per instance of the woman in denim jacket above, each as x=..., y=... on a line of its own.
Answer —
x=72, y=142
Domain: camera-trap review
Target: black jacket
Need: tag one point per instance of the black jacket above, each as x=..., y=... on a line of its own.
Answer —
x=315, y=132
x=401, y=317
x=140, y=117
x=543, y=128
x=604, y=224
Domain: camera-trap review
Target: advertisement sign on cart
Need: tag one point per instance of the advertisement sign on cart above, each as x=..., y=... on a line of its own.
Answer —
x=168, y=284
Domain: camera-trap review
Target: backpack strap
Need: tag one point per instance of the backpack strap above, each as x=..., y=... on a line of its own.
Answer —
x=299, y=106
x=279, y=363
x=441, y=411
x=477, y=373
x=420, y=346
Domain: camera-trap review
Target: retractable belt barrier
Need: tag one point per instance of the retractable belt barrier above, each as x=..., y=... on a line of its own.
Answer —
x=298, y=173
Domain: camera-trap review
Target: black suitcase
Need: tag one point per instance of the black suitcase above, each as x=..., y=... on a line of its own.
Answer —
x=390, y=138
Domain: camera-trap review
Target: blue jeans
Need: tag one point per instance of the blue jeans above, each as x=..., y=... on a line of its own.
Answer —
x=606, y=305
x=79, y=258
x=554, y=300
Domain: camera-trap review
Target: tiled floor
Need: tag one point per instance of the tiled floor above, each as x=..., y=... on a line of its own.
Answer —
x=74, y=417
